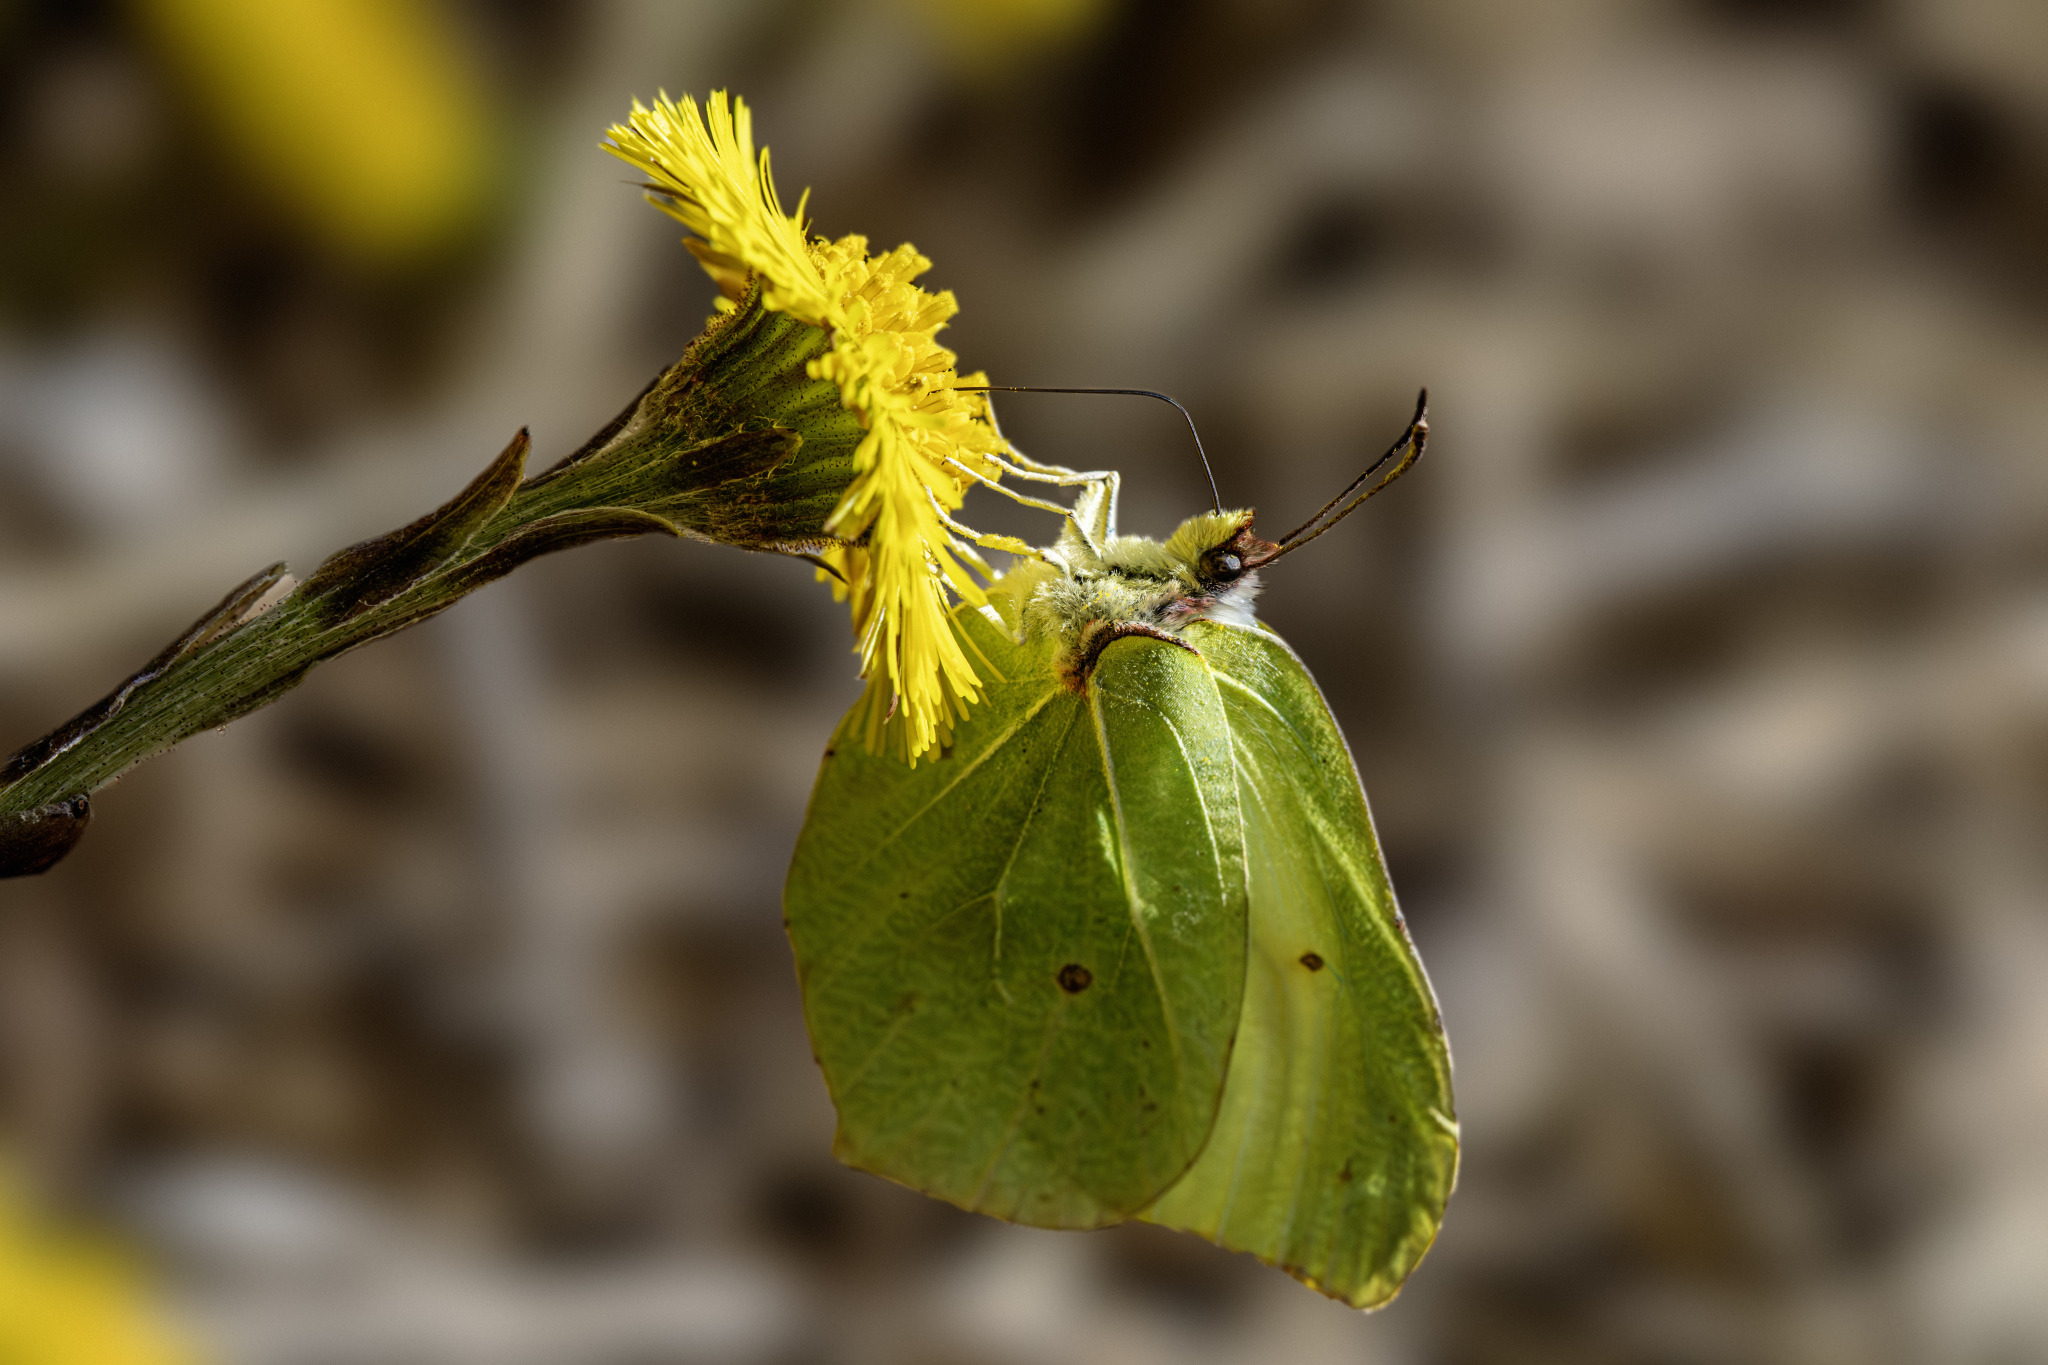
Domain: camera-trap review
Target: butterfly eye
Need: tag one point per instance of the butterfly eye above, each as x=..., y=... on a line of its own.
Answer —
x=1225, y=566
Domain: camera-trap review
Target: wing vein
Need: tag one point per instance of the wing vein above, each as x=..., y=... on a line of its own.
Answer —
x=1030, y=714
x=1024, y=1101
x=878, y=923
x=852, y=1081
x=1245, y=788
x=1023, y=831
x=1131, y=898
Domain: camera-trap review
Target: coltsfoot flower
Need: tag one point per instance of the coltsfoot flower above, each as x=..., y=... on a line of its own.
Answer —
x=894, y=550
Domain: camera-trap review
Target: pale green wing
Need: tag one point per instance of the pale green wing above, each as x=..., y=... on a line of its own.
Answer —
x=1022, y=963
x=1337, y=1145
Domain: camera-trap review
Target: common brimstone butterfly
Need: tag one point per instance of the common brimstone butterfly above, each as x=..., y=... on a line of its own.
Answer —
x=1126, y=948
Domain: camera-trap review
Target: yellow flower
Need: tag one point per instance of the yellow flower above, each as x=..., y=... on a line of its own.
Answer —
x=926, y=442
x=65, y=1300
x=365, y=117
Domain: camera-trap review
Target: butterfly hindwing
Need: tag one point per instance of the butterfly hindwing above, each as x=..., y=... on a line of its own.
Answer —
x=1022, y=962
x=1336, y=1147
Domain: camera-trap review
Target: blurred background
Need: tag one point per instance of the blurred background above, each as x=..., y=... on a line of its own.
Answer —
x=441, y=1014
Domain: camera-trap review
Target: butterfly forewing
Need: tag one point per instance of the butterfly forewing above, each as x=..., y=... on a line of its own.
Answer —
x=1022, y=963
x=1336, y=1147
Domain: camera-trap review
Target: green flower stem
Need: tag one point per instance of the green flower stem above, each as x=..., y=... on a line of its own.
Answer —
x=734, y=444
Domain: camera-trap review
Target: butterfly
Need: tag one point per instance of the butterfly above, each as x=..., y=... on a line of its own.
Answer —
x=1126, y=949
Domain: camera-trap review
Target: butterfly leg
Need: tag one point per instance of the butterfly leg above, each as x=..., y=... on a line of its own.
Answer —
x=1093, y=513
x=1094, y=509
x=984, y=539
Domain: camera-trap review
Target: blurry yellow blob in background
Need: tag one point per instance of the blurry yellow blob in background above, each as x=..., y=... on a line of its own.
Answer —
x=69, y=1299
x=361, y=116
x=989, y=36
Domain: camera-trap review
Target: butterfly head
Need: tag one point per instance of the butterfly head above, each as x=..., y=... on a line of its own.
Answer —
x=1218, y=552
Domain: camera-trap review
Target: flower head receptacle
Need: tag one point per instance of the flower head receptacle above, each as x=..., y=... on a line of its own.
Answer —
x=861, y=327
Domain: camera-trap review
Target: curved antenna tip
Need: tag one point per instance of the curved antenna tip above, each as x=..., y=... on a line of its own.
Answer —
x=1409, y=447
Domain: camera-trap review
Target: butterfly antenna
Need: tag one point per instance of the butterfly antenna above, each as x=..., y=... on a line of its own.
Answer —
x=1215, y=498
x=1410, y=447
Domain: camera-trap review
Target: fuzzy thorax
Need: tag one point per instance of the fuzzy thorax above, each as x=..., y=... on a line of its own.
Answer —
x=1136, y=585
